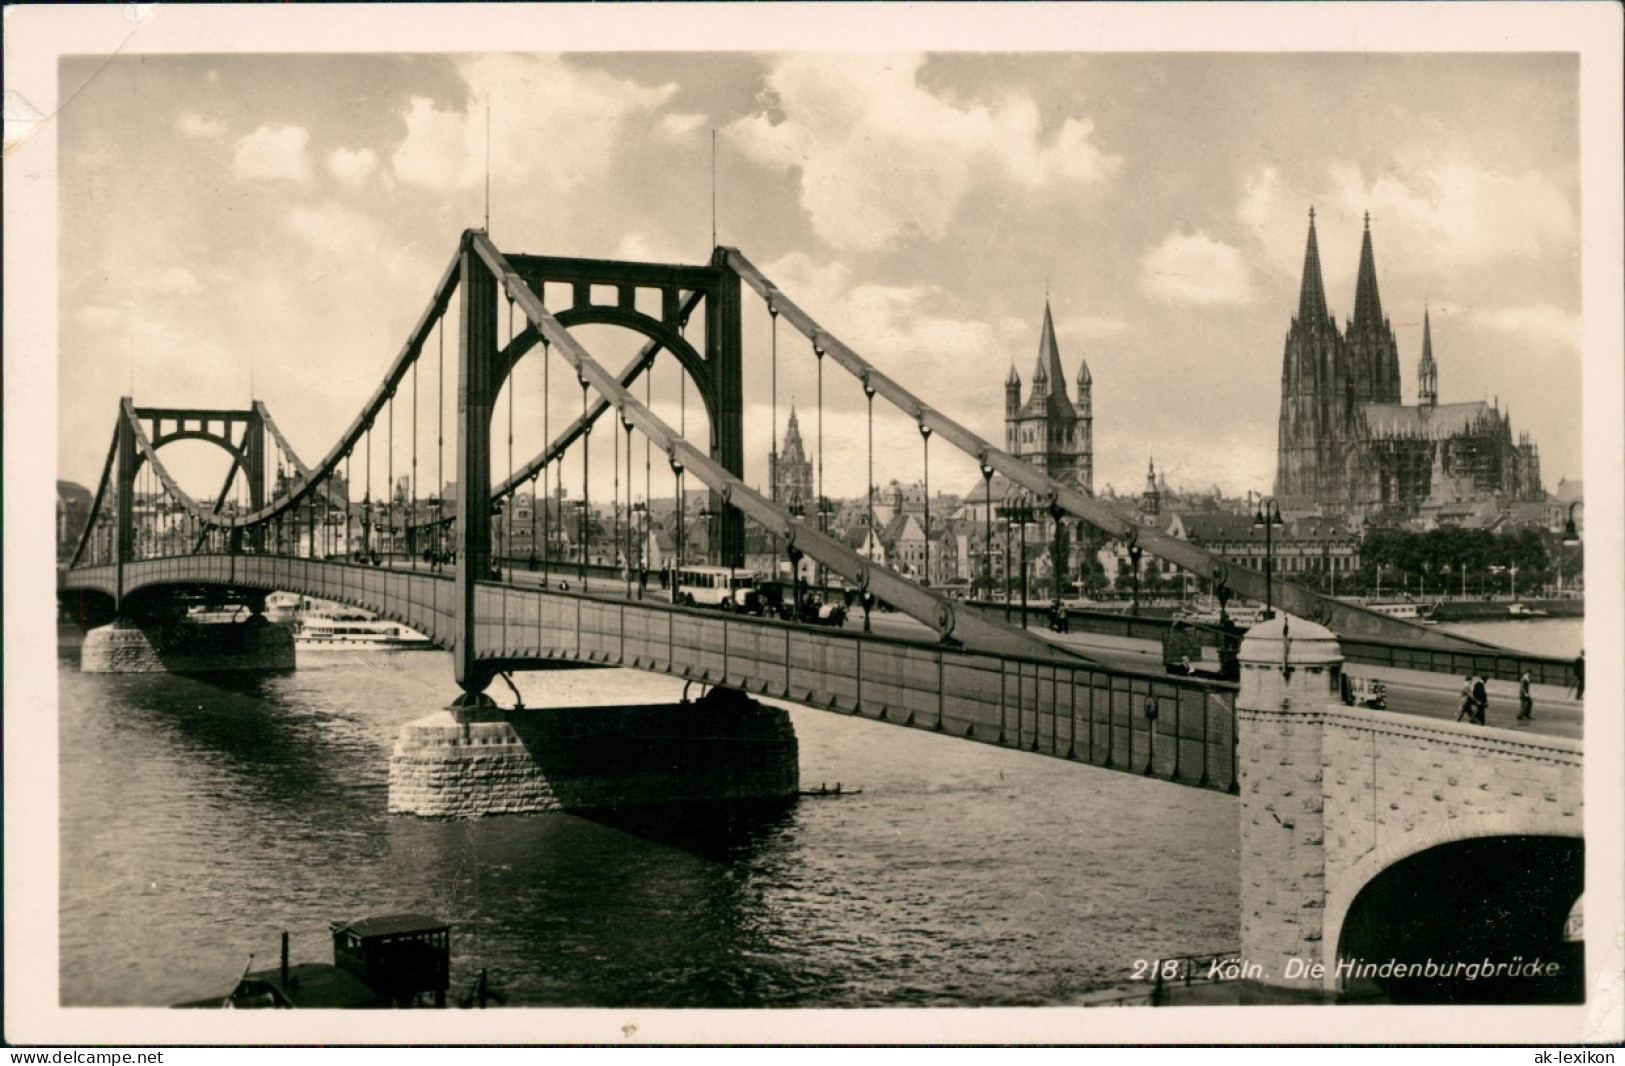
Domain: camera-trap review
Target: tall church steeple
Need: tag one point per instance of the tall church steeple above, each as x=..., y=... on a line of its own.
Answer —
x=1312, y=368
x=1049, y=357
x=1367, y=301
x=1427, y=375
x=1373, y=353
x=1312, y=293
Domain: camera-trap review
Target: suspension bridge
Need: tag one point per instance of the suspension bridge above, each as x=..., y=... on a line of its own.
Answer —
x=1333, y=831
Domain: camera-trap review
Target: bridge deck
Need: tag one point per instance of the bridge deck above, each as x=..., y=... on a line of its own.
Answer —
x=1178, y=729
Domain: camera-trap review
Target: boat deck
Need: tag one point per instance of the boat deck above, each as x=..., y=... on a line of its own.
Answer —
x=311, y=986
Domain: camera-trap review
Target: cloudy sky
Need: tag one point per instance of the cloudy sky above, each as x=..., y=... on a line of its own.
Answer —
x=274, y=225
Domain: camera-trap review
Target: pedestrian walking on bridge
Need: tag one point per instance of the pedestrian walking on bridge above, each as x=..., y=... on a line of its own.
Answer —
x=1526, y=701
x=1468, y=706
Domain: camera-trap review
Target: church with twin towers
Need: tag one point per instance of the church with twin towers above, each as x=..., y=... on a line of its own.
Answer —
x=1348, y=446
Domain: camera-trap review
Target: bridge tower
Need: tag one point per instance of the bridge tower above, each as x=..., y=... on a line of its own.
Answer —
x=483, y=367
x=160, y=426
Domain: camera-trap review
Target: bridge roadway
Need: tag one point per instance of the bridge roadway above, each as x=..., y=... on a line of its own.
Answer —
x=1416, y=692
x=1177, y=729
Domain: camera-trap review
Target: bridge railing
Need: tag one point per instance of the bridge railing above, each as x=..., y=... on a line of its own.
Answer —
x=1176, y=729
x=1494, y=664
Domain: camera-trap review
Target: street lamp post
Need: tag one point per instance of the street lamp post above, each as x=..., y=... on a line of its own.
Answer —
x=1007, y=514
x=1016, y=514
x=1269, y=516
x=925, y=437
x=825, y=509
x=1020, y=515
x=677, y=474
x=1057, y=567
x=987, y=530
x=640, y=511
x=1026, y=517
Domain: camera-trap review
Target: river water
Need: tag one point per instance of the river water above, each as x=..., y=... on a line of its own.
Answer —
x=199, y=819
x=1562, y=637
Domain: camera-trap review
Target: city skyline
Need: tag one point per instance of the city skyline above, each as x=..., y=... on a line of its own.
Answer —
x=274, y=224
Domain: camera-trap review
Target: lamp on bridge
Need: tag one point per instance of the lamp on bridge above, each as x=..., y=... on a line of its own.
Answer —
x=825, y=509
x=987, y=529
x=1134, y=554
x=1057, y=563
x=677, y=472
x=435, y=503
x=640, y=515
x=1269, y=517
x=1018, y=512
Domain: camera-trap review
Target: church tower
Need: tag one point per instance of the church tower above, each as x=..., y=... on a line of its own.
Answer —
x=1427, y=375
x=1151, y=498
x=1046, y=430
x=1312, y=394
x=1086, y=429
x=1373, y=355
x=791, y=471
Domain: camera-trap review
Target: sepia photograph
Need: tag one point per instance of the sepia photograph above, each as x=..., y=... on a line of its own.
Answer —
x=814, y=524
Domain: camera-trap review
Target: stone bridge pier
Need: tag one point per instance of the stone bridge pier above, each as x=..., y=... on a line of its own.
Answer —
x=472, y=761
x=1386, y=856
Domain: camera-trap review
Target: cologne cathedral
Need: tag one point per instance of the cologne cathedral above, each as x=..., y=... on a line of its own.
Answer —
x=1348, y=446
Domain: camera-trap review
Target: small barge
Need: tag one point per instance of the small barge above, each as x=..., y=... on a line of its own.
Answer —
x=395, y=960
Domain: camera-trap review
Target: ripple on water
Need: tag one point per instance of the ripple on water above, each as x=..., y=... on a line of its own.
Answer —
x=199, y=819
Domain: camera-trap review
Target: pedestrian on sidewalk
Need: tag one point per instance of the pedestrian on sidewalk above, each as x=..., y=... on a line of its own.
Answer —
x=1468, y=706
x=1481, y=700
x=1580, y=675
x=1526, y=701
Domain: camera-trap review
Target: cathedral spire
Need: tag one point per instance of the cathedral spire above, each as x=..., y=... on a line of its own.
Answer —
x=1427, y=375
x=1367, y=304
x=1312, y=297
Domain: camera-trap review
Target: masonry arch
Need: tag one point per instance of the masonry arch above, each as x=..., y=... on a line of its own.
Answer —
x=1498, y=892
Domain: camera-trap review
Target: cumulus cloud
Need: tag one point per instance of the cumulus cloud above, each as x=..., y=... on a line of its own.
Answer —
x=193, y=124
x=565, y=136
x=679, y=124
x=1544, y=325
x=274, y=154
x=352, y=166
x=1193, y=268
x=881, y=157
x=1459, y=215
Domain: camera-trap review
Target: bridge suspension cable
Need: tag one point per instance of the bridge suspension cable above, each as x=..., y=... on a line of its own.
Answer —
x=1338, y=615
x=907, y=596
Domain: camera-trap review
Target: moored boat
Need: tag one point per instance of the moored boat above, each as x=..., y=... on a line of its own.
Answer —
x=341, y=630
x=393, y=960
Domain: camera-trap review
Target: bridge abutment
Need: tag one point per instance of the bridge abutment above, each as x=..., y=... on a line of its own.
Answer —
x=474, y=760
x=187, y=647
x=1289, y=674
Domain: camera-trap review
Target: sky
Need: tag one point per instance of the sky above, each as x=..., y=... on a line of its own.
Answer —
x=273, y=225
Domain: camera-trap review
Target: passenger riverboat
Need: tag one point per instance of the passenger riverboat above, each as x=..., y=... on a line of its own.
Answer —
x=355, y=631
